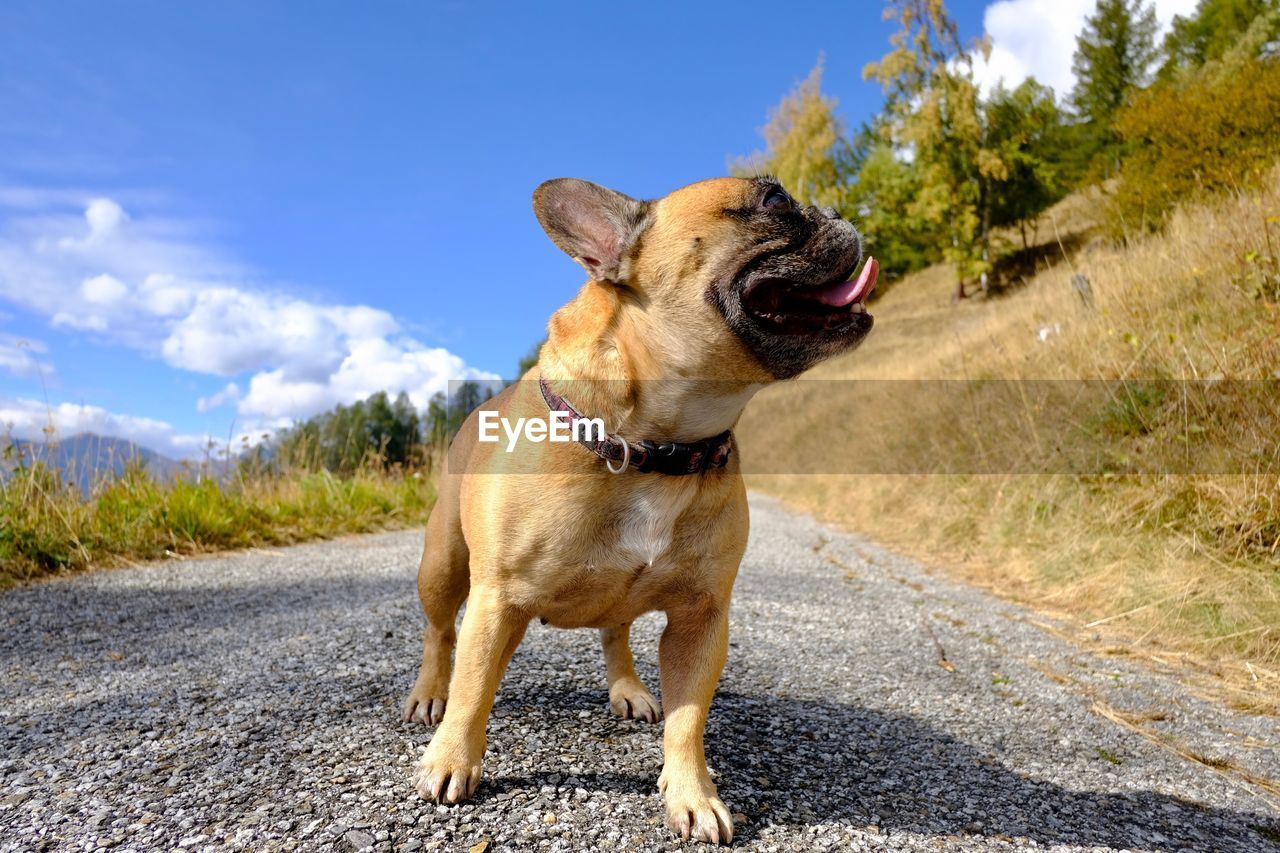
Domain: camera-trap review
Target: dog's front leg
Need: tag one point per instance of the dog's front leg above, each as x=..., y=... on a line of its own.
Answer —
x=691, y=655
x=450, y=769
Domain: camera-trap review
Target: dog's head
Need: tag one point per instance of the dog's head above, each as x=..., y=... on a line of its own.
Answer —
x=734, y=276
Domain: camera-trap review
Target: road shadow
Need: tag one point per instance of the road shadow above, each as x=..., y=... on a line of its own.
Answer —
x=801, y=762
x=825, y=760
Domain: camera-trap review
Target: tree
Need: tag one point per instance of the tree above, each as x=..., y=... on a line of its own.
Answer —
x=940, y=167
x=380, y=423
x=436, y=420
x=1215, y=28
x=343, y=439
x=447, y=412
x=1114, y=53
x=463, y=398
x=402, y=443
x=862, y=177
x=1210, y=130
x=805, y=147
x=884, y=194
x=934, y=112
x=1025, y=129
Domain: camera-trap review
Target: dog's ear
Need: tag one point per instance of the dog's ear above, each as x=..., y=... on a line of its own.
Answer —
x=593, y=225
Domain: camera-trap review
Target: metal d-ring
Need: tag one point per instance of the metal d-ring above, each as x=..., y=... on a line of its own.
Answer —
x=626, y=457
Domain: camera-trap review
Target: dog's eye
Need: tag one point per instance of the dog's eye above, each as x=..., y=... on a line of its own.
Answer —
x=776, y=199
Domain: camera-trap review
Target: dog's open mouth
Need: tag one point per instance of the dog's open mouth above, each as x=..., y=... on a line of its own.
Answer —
x=791, y=307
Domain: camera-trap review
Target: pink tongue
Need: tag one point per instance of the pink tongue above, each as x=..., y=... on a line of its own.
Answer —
x=853, y=290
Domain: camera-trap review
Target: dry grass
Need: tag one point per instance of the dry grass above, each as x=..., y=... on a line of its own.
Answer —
x=1182, y=569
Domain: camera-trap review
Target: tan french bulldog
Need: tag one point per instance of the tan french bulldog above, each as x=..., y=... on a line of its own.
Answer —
x=695, y=301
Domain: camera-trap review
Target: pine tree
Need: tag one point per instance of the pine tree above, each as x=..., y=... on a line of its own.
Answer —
x=1215, y=28
x=1114, y=54
x=436, y=420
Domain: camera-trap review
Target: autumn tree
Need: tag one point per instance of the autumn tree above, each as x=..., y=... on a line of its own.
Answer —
x=806, y=147
x=861, y=176
x=1207, y=128
x=939, y=168
x=934, y=112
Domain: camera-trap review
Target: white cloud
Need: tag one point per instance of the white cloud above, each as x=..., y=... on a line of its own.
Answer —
x=153, y=284
x=1037, y=38
x=230, y=392
x=228, y=331
x=88, y=322
x=29, y=419
x=17, y=357
x=165, y=295
x=105, y=218
x=373, y=364
x=104, y=289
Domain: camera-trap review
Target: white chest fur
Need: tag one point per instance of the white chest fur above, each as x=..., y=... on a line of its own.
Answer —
x=648, y=515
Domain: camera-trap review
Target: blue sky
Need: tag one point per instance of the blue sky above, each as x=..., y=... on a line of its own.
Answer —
x=218, y=217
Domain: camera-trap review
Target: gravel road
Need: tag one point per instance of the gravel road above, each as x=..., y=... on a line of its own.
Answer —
x=251, y=702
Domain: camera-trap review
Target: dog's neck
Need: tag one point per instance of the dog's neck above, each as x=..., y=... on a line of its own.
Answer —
x=598, y=355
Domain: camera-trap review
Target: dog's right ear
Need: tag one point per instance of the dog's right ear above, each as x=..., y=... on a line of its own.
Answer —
x=593, y=225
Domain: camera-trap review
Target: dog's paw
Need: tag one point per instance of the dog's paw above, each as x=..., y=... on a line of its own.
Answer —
x=425, y=709
x=446, y=775
x=694, y=812
x=631, y=701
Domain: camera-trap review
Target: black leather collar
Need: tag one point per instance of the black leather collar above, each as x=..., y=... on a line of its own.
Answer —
x=672, y=458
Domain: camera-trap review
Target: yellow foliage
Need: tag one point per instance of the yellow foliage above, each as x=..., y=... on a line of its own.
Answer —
x=1215, y=130
x=805, y=143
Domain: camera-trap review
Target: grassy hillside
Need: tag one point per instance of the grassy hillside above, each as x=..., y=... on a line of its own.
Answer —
x=1142, y=557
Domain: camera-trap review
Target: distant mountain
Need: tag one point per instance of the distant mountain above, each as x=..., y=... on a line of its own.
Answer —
x=87, y=458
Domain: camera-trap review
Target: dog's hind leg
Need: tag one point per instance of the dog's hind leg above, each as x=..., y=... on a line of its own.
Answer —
x=628, y=696
x=444, y=580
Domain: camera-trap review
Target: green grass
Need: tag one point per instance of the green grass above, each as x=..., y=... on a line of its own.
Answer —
x=1109, y=756
x=48, y=526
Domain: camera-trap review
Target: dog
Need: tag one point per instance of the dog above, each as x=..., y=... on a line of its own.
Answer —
x=694, y=302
